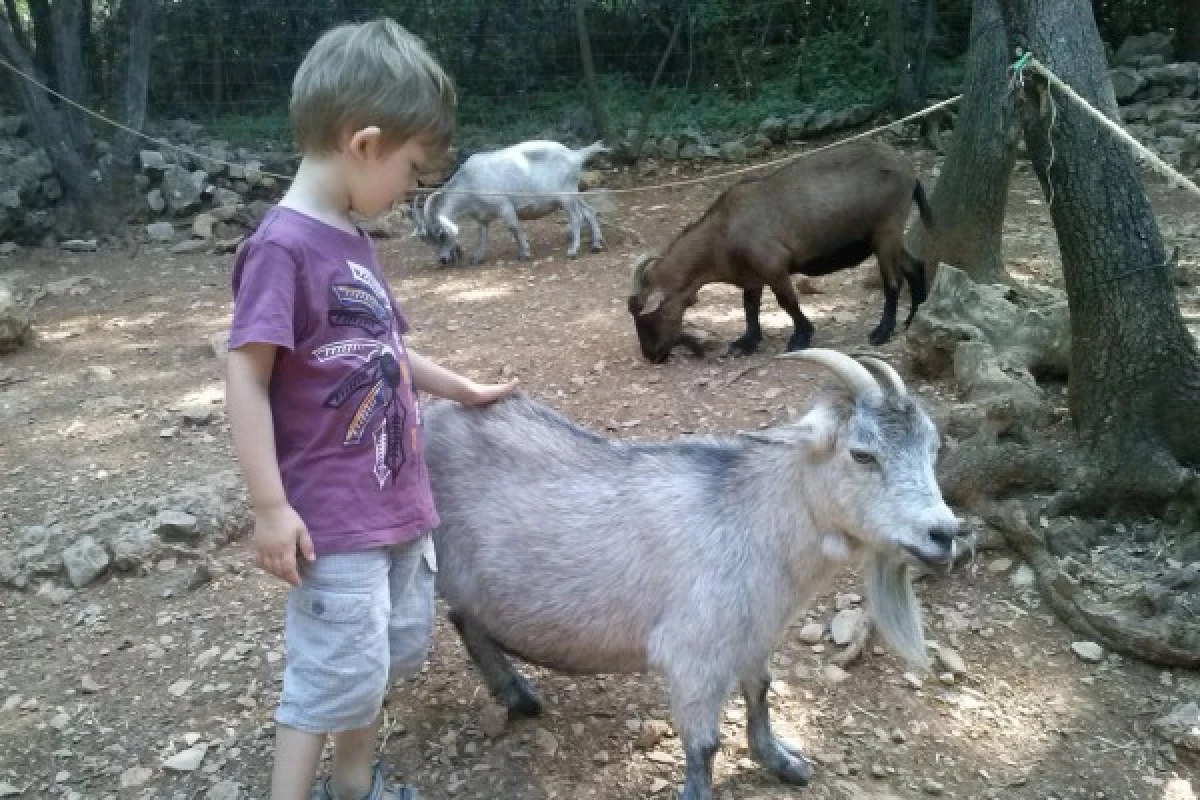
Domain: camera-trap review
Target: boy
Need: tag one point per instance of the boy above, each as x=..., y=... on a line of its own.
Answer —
x=322, y=402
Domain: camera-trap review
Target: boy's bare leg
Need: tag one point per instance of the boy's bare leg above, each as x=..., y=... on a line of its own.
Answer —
x=354, y=761
x=297, y=754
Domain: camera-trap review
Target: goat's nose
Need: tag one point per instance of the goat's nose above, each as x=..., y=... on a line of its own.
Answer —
x=944, y=535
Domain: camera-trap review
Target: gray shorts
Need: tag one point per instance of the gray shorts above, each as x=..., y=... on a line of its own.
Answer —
x=357, y=621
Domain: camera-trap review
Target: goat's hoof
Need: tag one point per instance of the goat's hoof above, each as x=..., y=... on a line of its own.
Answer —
x=786, y=763
x=518, y=696
x=878, y=337
x=572, y=254
x=598, y=248
x=798, y=343
x=744, y=346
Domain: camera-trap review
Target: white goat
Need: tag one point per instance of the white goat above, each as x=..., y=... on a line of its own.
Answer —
x=541, y=176
x=690, y=557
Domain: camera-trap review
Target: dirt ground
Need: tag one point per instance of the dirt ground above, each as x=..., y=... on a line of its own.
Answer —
x=98, y=687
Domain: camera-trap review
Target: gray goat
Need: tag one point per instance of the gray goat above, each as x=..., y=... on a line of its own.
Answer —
x=690, y=557
x=526, y=181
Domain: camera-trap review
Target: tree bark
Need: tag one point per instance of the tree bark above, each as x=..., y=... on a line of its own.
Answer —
x=137, y=77
x=52, y=133
x=648, y=104
x=970, y=195
x=1134, y=382
x=42, y=21
x=589, y=71
x=909, y=54
x=1187, y=30
x=68, y=45
x=14, y=22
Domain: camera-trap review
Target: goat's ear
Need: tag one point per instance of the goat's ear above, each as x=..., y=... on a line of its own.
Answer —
x=817, y=431
x=652, y=302
x=448, y=225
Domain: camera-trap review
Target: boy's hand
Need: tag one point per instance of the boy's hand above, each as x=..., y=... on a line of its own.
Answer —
x=482, y=394
x=279, y=534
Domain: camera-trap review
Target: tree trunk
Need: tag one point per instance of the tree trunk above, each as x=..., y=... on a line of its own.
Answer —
x=51, y=129
x=68, y=44
x=136, y=78
x=42, y=21
x=904, y=91
x=969, y=198
x=924, y=41
x=589, y=71
x=14, y=22
x=648, y=105
x=1187, y=30
x=1135, y=371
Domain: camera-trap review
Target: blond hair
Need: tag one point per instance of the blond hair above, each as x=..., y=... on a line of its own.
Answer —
x=374, y=73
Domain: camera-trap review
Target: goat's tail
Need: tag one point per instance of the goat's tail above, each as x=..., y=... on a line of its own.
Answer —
x=923, y=205
x=592, y=149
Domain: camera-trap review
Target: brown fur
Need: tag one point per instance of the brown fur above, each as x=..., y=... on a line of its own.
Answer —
x=814, y=216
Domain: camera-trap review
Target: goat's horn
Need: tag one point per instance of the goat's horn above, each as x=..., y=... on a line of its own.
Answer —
x=856, y=377
x=885, y=374
x=639, y=271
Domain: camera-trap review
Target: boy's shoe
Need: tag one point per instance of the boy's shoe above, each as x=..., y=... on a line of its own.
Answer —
x=379, y=790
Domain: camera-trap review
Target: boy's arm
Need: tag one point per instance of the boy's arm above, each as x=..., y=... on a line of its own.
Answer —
x=278, y=530
x=435, y=379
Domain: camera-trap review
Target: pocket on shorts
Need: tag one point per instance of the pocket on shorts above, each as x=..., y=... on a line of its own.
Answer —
x=331, y=607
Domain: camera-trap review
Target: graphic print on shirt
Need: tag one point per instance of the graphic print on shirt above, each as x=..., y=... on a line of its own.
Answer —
x=381, y=371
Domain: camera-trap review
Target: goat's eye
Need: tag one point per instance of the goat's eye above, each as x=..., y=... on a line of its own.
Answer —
x=863, y=457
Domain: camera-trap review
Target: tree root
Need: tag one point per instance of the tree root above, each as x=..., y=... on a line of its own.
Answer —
x=1166, y=639
x=981, y=469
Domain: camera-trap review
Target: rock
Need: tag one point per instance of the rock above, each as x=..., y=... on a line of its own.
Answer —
x=155, y=201
x=173, y=525
x=1181, y=727
x=651, y=733
x=190, y=246
x=546, y=742
x=152, y=160
x=1090, y=652
x=775, y=129
x=134, y=547
x=798, y=124
x=253, y=173
x=1150, y=44
x=493, y=720
x=218, y=344
x=8, y=248
x=80, y=245
x=180, y=189
x=690, y=152
x=590, y=179
x=197, y=415
x=1000, y=566
x=224, y=790
x=601, y=757
x=1178, y=789
x=668, y=148
x=8, y=790
x=202, y=226
x=226, y=198
x=179, y=688
x=16, y=329
x=848, y=600
x=932, y=787
x=847, y=625
x=187, y=760
x=734, y=151
x=392, y=224
x=834, y=674
x=160, y=231
x=1024, y=577
x=84, y=561
x=811, y=633
x=1126, y=83
x=913, y=680
x=992, y=345
x=88, y=685
x=951, y=661
x=100, y=373
x=135, y=777
x=12, y=125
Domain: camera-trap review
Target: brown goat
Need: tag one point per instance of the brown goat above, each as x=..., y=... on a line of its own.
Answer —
x=814, y=216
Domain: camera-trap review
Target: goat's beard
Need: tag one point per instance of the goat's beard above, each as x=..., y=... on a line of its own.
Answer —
x=894, y=607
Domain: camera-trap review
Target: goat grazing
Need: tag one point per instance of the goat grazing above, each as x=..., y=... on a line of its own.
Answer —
x=541, y=177
x=689, y=557
x=814, y=216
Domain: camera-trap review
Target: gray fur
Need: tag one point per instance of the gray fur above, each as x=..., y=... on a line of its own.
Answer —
x=528, y=170
x=690, y=557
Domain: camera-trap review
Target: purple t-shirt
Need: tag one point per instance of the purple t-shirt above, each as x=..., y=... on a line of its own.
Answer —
x=347, y=421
